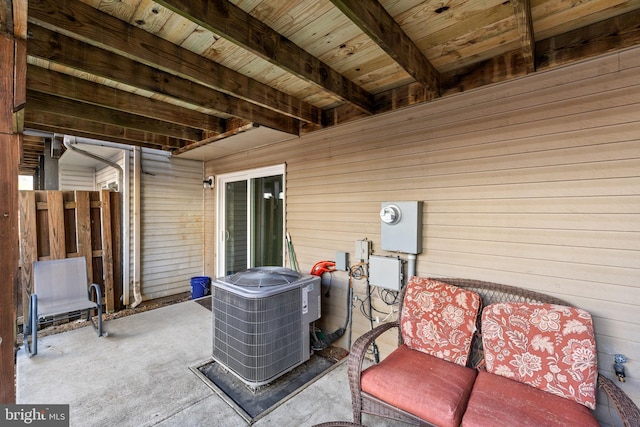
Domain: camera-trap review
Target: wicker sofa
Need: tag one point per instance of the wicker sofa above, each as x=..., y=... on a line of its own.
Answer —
x=490, y=293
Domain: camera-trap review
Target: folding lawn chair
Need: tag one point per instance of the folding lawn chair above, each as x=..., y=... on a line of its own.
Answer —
x=60, y=287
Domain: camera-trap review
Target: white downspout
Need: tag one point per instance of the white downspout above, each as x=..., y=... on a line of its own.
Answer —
x=137, y=168
x=67, y=143
x=126, y=230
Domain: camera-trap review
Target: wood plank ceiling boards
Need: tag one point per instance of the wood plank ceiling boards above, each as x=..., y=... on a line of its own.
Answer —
x=178, y=74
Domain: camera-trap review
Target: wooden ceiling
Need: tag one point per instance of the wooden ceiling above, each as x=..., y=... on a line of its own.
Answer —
x=176, y=74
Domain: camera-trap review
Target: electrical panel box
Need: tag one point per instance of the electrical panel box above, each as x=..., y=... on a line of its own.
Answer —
x=401, y=227
x=385, y=272
x=342, y=261
x=363, y=249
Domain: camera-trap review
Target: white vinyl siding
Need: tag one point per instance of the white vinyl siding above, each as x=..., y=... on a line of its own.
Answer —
x=106, y=175
x=89, y=178
x=534, y=183
x=171, y=224
x=76, y=178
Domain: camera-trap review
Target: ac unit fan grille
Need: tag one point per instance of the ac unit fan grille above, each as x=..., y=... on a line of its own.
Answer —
x=257, y=338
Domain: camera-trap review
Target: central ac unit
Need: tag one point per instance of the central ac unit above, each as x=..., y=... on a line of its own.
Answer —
x=261, y=320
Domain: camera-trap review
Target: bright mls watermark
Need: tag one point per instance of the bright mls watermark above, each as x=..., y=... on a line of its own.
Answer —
x=34, y=415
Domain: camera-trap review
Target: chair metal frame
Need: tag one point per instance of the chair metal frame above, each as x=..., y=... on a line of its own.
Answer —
x=60, y=288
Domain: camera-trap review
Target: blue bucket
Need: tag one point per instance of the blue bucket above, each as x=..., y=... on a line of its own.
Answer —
x=200, y=286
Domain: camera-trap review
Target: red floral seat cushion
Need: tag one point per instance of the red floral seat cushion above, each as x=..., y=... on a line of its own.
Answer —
x=550, y=347
x=439, y=319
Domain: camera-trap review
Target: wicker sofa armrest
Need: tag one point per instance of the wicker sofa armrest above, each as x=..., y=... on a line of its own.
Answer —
x=628, y=411
x=356, y=358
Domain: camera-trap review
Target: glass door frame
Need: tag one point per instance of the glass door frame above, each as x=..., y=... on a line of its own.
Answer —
x=247, y=175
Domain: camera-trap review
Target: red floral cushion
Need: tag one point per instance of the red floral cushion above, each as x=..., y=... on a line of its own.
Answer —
x=498, y=401
x=551, y=347
x=439, y=319
x=433, y=389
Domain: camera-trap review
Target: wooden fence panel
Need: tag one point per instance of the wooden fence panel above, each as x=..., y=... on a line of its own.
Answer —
x=55, y=216
x=28, y=244
x=107, y=252
x=57, y=224
x=83, y=224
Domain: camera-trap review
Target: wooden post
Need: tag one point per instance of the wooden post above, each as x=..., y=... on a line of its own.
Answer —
x=13, y=32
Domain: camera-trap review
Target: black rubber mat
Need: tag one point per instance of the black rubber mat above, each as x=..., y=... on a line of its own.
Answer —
x=256, y=402
x=205, y=302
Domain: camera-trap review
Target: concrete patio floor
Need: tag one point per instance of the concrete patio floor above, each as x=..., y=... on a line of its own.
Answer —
x=139, y=375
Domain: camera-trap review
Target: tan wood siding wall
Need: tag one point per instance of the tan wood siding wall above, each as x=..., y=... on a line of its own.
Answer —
x=172, y=232
x=533, y=183
x=210, y=223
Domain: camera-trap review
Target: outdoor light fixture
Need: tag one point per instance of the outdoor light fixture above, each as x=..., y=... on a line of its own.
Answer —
x=208, y=183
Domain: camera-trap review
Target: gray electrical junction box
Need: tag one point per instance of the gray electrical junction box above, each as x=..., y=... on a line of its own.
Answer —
x=385, y=272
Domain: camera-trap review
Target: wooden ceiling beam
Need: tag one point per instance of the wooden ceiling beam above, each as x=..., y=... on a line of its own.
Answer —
x=522, y=10
x=229, y=21
x=69, y=52
x=32, y=148
x=56, y=123
x=618, y=32
x=375, y=21
x=53, y=104
x=30, y=155
x=494, y=70
x=104, y=30
x=613, y=34
x=63, y=85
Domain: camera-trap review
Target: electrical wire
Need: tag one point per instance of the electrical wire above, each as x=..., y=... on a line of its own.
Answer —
x=356, y=271
x=376, y=351
x=326, y=294
x=366, y=308
x=388, y=296
x=320, y=343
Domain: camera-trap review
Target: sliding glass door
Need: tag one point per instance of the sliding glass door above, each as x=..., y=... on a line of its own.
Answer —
x=250, y=219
